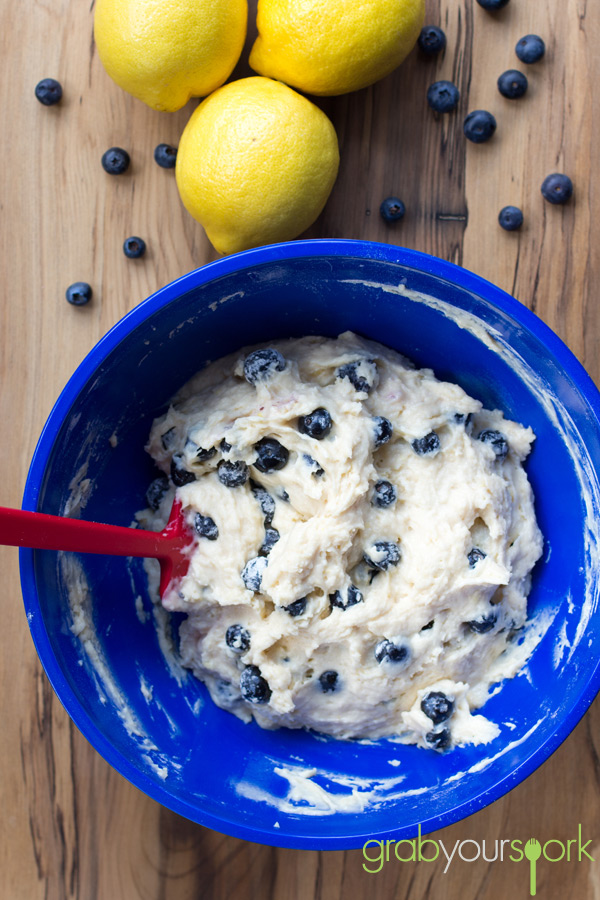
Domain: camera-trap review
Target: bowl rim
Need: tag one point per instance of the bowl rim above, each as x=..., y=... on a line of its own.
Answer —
x=318, y=247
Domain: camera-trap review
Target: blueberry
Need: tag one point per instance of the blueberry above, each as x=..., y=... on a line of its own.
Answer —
x=353, y=596
x=557, y=188
x=492, y=5
x=483, y=624
x=266, y=501
x=204, y=526
x=432, y=39
x=474, y=556
x=512, y=84
x=316, y=425
x=510, y=218
x=428, y=444
x=134, y=247
x=439, y=740
x=156, y=491
x=387, y=651
x=79, y=293
x=253, y=571
x=463, y=419
x=384, y=494
x=271, y=538
x=271, y=455
x=283, y=495
x=382, y=431
x=328, y=681
x=479, y=126
x=530, y=48
x=200, y=454
x=357, y=380
x=429, y=626
x=381, y=555
x=253, y=686
x=232, y=474
x=237, y=638
x=179, y=474
x=263, y=364
x=165, y=155
x=437, y=706
x=297, y=608
x=115, y=161
x=443, y=96
x=316, y=469
x=497, y=440
x=224, y=447
x=48, y=91
x=392, y=209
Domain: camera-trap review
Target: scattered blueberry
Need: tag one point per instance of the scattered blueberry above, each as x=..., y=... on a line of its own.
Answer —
x=510, y=218
x=134, y=247
x=283, y=495
x=353, y=596
x=317, y=468
x=474, y=556
x=48, y=91
x=115, y=161
x=79, y=293
x=297, y=608
x=204, y=526
x=232, y=474
x=224, y=447
x=428, y=444
x=390, y=652
x=443, y=96
x=156, y=491
x=271, y=538
x=271, y=455
x=392, y=209
x=381, y=555
x=530, y=48
x=428, y=626
x=383, y=430
x=432, y=40
x=492, y=5
x=463, y=419
x=263, y=364
x=317, y=424
x=439, y=740
x=328, y=681
x=179, y=474
x=357, y=379
x=199, y=453
x=479, y=126
x=266, y=501
x=512, y=84
x=165, y=155
x=384, y=494
x=253, y=686
x=238, y=638
x=169, y=438
x=557, y=188
x=483, y=624
x=497, y=440
x=437, y=706
x=253, y=571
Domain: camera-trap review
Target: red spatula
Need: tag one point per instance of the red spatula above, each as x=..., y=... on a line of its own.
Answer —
x=171, y=547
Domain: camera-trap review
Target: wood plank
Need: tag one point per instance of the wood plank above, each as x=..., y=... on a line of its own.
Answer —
x=71, y=827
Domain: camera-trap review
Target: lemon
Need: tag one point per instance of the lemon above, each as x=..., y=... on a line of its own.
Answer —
x=336, y=46
x=256, y=163
x=166, y=51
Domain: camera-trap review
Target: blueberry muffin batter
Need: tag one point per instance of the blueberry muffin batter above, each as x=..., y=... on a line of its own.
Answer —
x=365, y=536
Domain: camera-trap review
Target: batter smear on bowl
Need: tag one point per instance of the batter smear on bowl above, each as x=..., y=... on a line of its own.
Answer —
x=365, y=541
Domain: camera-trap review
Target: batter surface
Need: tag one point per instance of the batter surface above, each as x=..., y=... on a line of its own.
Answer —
x=365, y=540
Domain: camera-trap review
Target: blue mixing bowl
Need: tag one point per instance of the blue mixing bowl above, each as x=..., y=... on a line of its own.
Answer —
x=153, y=721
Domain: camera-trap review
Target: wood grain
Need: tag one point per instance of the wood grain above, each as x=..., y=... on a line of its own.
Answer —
x=71, y=827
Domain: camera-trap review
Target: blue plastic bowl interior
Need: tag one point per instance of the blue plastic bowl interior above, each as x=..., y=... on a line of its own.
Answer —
x=219, y=771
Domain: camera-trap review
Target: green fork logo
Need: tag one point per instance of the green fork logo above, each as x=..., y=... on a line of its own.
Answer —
x=533, y=851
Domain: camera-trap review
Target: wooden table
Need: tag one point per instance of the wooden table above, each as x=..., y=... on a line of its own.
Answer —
x=71, y=827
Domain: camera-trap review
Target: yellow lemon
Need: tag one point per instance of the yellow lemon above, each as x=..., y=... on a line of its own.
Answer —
x=334, y=46
x=256, y=163
x=166, y=51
